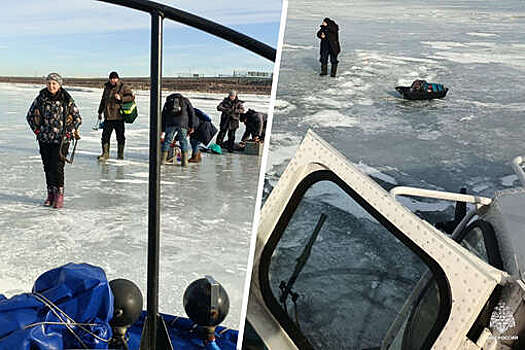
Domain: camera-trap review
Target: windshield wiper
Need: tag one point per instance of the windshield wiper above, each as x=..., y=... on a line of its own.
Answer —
x=286, y=287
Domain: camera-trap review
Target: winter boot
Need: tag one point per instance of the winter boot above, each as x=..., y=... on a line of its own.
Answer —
x=105, y=152
x=195, y=158
x=50, y=196
x=324, y=69
x=184, y=159
x=59, y=198
x=333, y=72
x=164, y=159
x=120, y=151
x=220, y=139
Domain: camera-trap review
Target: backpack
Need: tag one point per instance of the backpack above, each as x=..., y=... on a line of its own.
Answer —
x=128, y=110
x=174, y=104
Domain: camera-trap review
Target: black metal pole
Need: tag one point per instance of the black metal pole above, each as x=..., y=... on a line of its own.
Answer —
x=200, y=23
x=154, y=180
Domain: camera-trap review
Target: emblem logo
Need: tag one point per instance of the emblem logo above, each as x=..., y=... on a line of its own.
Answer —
x=502, y=318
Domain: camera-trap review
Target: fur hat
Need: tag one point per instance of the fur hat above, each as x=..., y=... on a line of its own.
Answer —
x=56, y=77
x=113, y=75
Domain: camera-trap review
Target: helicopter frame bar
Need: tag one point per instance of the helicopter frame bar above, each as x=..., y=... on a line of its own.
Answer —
x=449, y=196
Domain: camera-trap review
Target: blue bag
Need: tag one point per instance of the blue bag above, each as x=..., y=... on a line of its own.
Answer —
x=74, y=294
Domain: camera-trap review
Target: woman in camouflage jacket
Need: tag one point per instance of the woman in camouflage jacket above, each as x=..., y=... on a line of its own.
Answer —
x=54, y=118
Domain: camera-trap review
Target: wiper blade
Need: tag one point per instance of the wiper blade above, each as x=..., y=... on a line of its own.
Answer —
x=286, y=288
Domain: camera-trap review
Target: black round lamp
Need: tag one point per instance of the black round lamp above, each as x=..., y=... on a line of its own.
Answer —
x=206, y=302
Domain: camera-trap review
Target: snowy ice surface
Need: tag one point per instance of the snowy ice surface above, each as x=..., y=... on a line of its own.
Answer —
x=206, y=209
x=475, y=49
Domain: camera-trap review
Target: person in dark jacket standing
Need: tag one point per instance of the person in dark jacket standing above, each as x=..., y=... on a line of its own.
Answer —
x=330, y=47
x=231, y=108
x=204, y=133
x=115, y=93
x=255, y=123
x=55, y=119
x=178, y=119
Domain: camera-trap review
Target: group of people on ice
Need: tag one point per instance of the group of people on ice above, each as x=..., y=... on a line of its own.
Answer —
x=55, y=119
x=180, y=120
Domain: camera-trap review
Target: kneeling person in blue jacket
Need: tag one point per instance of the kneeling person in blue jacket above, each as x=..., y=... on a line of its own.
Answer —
x=204, y=131
x=178, y=119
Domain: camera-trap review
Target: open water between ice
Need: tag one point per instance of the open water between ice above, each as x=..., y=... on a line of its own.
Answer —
x=206, y=209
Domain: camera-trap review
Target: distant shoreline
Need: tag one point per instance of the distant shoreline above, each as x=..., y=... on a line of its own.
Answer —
x=259, y=86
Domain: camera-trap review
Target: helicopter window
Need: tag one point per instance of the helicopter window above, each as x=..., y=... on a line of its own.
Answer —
x=479, y=238
x=474, y=242
x=336, y=276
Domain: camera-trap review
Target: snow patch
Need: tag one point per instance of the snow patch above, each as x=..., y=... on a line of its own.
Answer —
x=330, y=118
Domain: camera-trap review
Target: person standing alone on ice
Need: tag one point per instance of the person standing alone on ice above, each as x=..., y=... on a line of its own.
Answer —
x=329, y=35
x=115, y=94
x=55, y=119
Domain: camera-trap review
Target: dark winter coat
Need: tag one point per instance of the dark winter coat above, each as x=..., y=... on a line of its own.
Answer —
x=185, y=118
x=231, y=113
x=331, y=39
x=47, y=114
x=255, y=123
x=109, y=104
x=204, y=130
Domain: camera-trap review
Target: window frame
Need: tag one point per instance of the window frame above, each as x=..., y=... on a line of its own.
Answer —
x=295, y=334
x=489, y=241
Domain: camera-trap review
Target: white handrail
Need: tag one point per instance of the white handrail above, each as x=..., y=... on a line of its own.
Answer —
x=449, y=196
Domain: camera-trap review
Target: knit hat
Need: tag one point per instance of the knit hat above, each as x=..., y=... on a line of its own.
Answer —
x=113, y=75
x=232, y=93
x=56, y=77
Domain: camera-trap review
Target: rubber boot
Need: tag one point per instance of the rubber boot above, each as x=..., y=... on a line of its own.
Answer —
x=184, y=159
x=59, y=198
x=220, y=139
x=50, y=196
x=164, y=159
x=333, y=72
x=324, y=69
x=105, y=152
x=195, y=158
x=120, y=151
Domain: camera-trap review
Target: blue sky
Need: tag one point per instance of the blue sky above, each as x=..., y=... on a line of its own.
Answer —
x=88, y=38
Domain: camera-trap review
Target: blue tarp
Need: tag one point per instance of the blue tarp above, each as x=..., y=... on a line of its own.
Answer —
x=81, y=291
x=183, y=335
x=435, y=87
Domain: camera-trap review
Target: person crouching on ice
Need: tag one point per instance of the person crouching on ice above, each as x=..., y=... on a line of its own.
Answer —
x=204, y=133
x=178, y=119
x=329, y=35
x=55, y=119
x=255, y=123
x=231, y=108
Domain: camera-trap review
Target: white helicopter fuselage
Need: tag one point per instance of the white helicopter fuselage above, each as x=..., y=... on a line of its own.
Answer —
x=468, y=294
